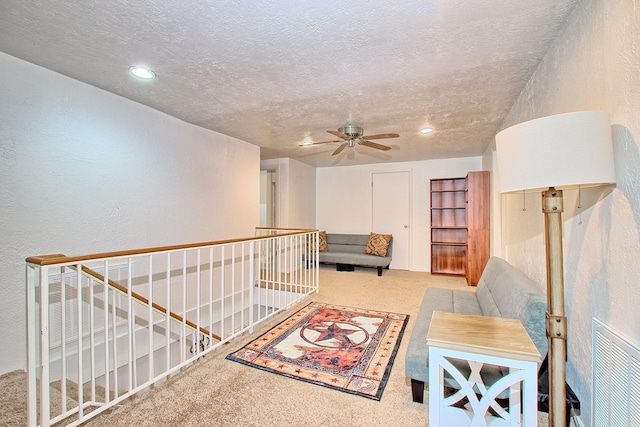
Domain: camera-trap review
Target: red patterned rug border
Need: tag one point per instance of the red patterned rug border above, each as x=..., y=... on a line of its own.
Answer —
x=344, y=355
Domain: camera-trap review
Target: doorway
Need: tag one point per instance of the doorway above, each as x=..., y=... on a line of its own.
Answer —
x=390, y=212
x=268, y=198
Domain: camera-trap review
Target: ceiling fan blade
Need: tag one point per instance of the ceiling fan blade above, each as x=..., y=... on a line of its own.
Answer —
x=374, y=145
x=339, y=149
x=381, y=136
x=317, y=143
x=338, y=134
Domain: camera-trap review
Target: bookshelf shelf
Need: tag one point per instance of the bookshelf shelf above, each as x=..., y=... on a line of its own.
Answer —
x=460, y=225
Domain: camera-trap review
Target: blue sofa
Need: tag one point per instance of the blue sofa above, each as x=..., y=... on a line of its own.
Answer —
x=502, y=291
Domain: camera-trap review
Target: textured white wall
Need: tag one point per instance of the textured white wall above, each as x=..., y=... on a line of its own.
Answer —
x=594, y=64
x=85, y=171
x=343, y=199
x=302, y=195
x=295, y=192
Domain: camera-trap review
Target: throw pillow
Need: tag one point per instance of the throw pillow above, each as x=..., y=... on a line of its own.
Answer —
x=378, y=244
x=322, y=242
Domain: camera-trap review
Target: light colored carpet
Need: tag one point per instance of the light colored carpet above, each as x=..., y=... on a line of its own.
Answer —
x=13, y=399
x=219, y=392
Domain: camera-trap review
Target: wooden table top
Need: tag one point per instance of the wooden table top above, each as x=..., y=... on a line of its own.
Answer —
x=493, y=336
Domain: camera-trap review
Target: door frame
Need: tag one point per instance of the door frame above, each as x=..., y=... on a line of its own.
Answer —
x=271, y=194
x=409, y=208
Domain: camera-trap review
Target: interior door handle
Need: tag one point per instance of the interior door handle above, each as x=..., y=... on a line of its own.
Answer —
x=406, y=226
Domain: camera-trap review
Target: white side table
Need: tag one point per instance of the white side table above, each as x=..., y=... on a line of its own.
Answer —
x=477, y=341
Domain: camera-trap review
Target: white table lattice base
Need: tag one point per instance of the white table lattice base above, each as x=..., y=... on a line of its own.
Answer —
x=518, y=385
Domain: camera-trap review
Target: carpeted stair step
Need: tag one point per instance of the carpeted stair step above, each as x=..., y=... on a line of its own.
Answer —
x=13, y=395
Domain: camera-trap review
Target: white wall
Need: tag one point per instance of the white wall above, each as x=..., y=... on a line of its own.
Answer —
x=85, y=171
x=343, y=197
x=594, y=64
x=295, y=192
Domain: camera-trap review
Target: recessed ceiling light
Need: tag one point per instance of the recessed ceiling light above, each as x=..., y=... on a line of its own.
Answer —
x=307, y=141
x=426, y=130
x=142, y=73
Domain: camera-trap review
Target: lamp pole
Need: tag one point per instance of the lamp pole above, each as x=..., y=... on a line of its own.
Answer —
x=552, y=207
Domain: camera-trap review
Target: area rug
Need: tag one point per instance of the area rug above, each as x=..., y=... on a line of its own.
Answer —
x=346, y=349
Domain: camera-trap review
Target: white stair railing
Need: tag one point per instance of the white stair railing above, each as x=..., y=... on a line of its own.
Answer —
x=104, y=327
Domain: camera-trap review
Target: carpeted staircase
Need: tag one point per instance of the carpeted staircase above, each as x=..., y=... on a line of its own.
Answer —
x=13, y=395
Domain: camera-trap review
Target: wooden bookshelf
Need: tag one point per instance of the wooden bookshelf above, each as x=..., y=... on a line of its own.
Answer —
x=460, y=225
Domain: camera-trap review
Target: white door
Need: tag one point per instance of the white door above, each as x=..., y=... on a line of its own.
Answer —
x=390, y=198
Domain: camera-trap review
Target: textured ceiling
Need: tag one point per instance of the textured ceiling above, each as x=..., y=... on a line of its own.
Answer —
x=274, y=72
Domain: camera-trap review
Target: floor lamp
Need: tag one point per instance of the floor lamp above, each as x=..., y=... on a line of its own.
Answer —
x=549, y=154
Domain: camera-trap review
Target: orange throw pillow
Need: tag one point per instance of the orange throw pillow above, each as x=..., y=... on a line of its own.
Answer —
x=378, y=244
x=322, y=242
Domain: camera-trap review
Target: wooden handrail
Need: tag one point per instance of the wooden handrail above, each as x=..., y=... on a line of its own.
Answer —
x=305, y=230
x=145, y=301
x=60, y=258
x=52, y=259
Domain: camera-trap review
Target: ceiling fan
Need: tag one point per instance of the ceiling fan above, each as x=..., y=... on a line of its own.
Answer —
x=350, y=135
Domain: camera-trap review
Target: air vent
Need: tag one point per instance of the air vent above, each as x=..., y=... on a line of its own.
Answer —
x=616, y=379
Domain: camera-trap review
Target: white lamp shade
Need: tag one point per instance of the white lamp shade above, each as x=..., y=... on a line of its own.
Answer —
x=561, y=151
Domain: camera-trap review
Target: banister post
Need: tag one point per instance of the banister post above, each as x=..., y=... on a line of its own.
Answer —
x=252, y=278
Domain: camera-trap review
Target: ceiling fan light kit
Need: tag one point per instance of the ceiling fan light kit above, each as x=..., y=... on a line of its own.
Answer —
x=351, y=135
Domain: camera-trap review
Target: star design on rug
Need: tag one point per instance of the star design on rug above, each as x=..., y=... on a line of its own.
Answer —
x=333, y=331
x=330, y=346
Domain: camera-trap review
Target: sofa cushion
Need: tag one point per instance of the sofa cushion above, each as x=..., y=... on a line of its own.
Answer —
x=466, y=302
x=347, y=243
x=506, y=292
x=378, y=244
x=486, y=301
x=435, y=299
x=347, y=239
x=353, y=259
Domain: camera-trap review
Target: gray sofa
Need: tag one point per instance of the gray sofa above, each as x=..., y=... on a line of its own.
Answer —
x=502, y=291
x=348, y=250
